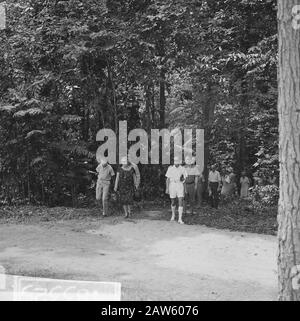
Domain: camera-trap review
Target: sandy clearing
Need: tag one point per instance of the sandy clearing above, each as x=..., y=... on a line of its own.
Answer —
x=154, y=260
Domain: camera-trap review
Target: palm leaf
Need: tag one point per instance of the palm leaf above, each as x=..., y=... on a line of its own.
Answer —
x=28, y=112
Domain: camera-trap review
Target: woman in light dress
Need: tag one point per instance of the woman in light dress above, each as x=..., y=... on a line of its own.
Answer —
x=228, y=183
x=245, y=183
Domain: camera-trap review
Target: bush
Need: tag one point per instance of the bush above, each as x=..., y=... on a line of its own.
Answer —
x=264, y=196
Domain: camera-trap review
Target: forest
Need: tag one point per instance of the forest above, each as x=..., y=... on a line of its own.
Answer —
x=70, y=68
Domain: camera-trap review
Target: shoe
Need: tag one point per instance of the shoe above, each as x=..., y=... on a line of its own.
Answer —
x=172, y=219
x=181, y=222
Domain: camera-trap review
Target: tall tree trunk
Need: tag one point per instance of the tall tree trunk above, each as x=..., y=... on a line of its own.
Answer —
x=162, y=98
x=208, y=111
x=152, y=94
x=114, y=96
x=147, y=90
x=289, y=150
x=244, y=114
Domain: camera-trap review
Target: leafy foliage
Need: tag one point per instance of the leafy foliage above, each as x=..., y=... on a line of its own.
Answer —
x=265, y=196
x=70, y=68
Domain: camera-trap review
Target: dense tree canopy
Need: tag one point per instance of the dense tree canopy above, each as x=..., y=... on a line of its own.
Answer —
x=70, y=68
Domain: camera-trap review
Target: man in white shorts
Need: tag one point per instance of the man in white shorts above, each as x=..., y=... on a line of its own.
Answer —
x=176, y=176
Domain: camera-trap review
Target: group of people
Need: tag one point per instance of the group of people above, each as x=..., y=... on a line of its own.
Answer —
x=184, y=183
x=226, y=185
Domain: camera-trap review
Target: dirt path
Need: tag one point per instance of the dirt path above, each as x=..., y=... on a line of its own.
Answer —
x=154, y=260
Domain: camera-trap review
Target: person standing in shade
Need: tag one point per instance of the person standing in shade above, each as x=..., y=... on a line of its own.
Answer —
x=176, y=176
x=245, y=183
x=228, y=183
x=105, y=174
x=126, y=184
x=200, y=189
x=214, y=186
x=191, y=183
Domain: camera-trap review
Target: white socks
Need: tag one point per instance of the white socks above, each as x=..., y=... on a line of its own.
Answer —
x=173, y=213
x=180, y=212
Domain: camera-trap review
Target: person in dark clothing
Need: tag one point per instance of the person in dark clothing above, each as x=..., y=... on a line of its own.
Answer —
x=125, y=184
x=214, y=186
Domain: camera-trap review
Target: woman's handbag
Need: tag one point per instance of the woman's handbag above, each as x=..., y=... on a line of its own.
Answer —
x=115, y=196
x=137, y=197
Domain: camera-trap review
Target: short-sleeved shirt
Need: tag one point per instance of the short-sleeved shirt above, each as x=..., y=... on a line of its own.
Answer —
x=174, y=173
x=105, y=174
x=214, y=177
x=192, y=172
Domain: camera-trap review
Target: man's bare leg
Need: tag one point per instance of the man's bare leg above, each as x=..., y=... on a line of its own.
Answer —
x=129, y=210
x=173, y=208
x=180, y=210
x=125, y=211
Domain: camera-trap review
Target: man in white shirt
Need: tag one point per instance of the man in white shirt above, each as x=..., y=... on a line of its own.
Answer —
x=176, y=176
x=214, y=185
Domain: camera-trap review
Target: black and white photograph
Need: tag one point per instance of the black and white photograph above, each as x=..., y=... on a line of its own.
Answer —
x=150, y=152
